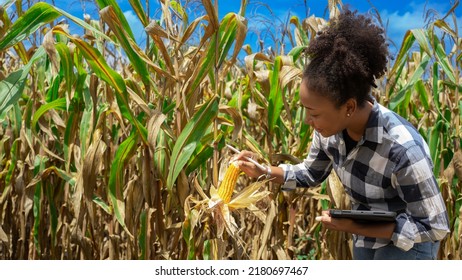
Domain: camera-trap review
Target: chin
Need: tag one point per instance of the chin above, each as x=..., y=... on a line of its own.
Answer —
x=324, y=133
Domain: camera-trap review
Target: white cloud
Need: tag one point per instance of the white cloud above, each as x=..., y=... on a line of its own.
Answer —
x=397, y=23
x=136, y=26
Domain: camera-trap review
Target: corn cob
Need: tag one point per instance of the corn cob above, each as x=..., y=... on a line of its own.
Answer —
x=225, y=191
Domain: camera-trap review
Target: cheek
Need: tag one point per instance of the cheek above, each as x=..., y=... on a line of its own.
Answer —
x=329, y=124
x=308, y=120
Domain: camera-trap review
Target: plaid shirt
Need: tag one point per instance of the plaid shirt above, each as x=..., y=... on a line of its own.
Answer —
x=389, y=169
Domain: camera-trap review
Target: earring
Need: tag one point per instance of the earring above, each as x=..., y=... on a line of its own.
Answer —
x=348, y=115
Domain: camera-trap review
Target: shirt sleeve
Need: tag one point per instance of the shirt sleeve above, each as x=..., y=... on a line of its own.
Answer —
x=425, y=218
x=312, y=171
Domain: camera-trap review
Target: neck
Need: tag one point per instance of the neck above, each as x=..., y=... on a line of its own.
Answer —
x=358, y=122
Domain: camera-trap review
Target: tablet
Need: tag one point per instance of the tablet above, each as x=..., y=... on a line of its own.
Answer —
x=364, y=215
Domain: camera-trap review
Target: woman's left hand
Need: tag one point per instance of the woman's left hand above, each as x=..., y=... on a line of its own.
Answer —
x=377, y=230
x=328, y=222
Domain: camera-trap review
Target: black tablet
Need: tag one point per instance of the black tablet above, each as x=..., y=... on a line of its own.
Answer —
x=362, y=215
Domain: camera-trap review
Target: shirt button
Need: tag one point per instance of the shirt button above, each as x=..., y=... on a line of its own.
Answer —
x=343, y=168
x=341, y=142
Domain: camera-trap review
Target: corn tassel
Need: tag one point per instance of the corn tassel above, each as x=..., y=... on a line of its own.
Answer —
x=225, y=191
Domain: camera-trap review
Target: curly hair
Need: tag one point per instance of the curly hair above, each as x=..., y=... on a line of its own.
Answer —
x=346, y=58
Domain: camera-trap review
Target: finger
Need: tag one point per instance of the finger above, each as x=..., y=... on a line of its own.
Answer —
x=325, y=217
x=244, y=154
x=244, y=163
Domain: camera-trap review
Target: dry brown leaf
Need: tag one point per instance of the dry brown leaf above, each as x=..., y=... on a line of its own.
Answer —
x=3, y=236
x=457, y=161
x=265, y=234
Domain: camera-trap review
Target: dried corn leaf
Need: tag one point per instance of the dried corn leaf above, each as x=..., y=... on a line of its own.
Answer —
x=265, y=234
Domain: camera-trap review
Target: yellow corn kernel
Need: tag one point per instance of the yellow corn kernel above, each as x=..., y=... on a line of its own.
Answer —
x=225, y=191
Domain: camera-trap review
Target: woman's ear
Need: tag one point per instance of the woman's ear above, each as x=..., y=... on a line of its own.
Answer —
x=351, y=106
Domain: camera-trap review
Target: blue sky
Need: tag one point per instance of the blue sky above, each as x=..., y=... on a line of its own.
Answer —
x=399, y=15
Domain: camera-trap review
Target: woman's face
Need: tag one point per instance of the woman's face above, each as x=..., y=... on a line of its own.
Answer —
x=321, y=112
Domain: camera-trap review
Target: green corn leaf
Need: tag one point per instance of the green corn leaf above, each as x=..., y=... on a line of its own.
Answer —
x=67, y=65
x=227, y=33
x=443, y=59
x=80, y=22
x=205, y=152
x=120, y=15
x=296, y=52
x=434, y=144
x=189, y=138
x=207, y=250
x=39, y=166
x=422, y=91
x=205, y=65
x=275, y=101
x=132, y=51
x=11, y=88
x=101, y=69
x=460, y=109
x=69, y=134
x=98, y=201
x=301, y=35
x=96, y=61
x=85, y=122
x=58, y=104
x=35, y=17
x=176, y=6
x=53, y=91
x=421, y=37
x=66, y=176
x=408, y=41
x=435, y=88
x=416, y=76
x=142, y=235
x=116, y=178
x=325, y=204
x=304, y=134
x=233, y=29
x=188, y=235
x=139, y=11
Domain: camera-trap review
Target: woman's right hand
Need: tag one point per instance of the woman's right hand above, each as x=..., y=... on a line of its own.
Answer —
x=248, y=167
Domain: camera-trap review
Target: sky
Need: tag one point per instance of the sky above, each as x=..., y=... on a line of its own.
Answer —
x=397, y=15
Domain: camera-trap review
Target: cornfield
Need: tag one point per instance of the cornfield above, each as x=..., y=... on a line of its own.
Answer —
x=112, y=150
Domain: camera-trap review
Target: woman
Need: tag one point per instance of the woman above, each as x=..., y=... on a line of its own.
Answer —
x=380, y=158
